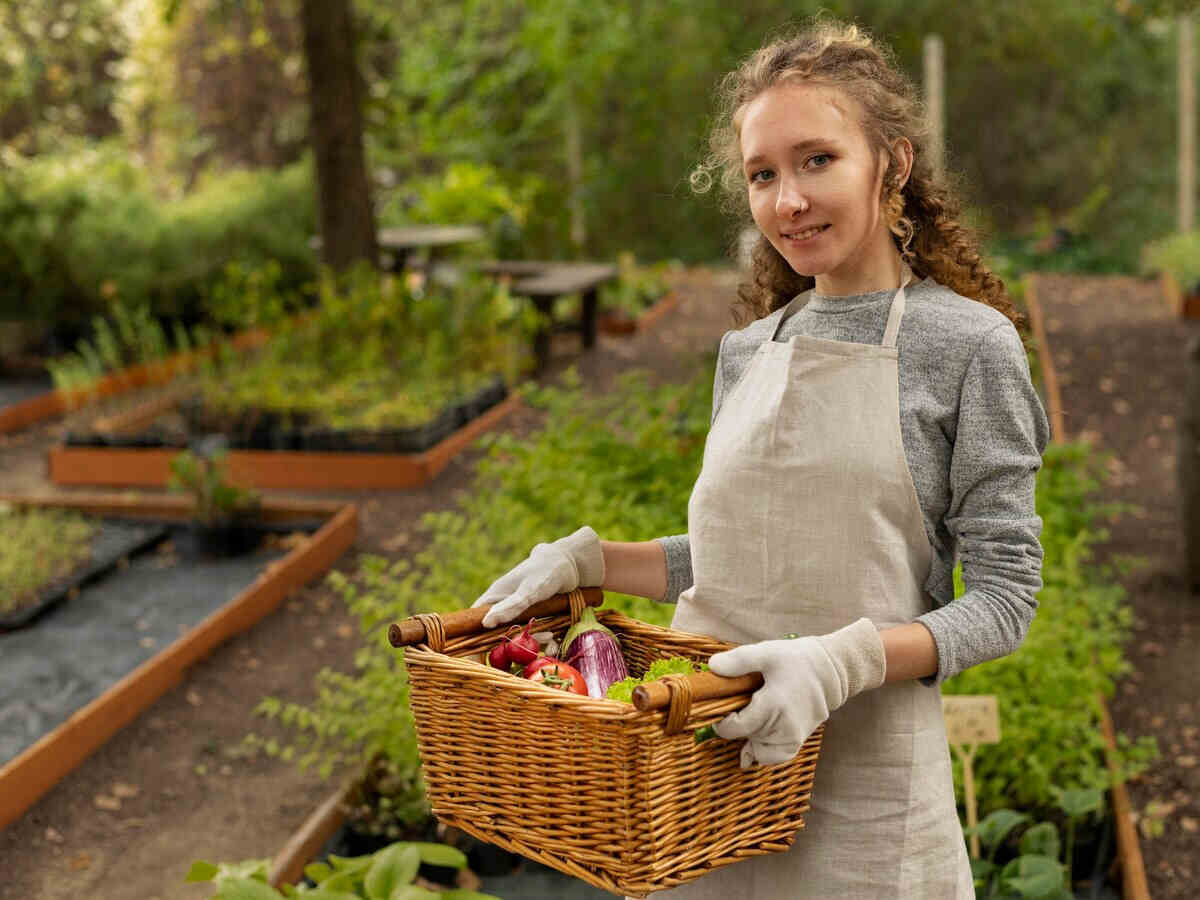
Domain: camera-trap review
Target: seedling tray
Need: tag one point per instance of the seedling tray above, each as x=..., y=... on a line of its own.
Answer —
x=115, y=540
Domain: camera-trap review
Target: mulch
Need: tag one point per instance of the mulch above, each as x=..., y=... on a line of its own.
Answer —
x=1120, y=356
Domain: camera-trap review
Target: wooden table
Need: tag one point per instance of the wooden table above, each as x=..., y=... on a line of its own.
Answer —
x=544, y=282
x=401, y=243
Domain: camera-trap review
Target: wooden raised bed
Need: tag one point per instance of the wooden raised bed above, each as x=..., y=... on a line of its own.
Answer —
x=25, y=778
x=282, y=469
x=614, y=323
x=57, y=402
x=1183, y=304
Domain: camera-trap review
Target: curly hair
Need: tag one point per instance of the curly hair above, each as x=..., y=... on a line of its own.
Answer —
x=928, y=235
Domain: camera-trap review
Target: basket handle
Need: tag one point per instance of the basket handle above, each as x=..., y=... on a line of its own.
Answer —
x=469, y=621
x=703, y=686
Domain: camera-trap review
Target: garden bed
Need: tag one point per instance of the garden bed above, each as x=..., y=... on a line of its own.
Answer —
x=349, y=459
x=615, y=322
x=83, y=671
x=47, y=404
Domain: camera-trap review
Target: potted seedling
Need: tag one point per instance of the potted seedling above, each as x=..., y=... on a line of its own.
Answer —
x=223, y=514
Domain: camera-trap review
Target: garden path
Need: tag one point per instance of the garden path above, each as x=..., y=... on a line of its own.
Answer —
x=192, y=797
x=1119, y=352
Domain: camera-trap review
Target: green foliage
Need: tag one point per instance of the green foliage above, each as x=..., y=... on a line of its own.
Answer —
x=638, y=287
x=677, y=665
x=1040, y=867
x=1178, y=255
x=623, y=462
x=37, y=546
x=204, y=477
x=467, y=193
x=374, y=352
x=129, y=335
x=386, y=874
x=1047, y=690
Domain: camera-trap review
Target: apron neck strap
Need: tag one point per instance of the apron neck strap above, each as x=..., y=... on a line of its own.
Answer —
x=895, y=313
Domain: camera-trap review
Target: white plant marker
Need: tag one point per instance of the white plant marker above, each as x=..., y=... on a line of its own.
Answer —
x=971, y=720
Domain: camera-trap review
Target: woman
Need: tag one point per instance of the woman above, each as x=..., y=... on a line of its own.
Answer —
x=873, y=422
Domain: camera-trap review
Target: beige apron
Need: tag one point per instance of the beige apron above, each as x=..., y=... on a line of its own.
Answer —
x=804, y=519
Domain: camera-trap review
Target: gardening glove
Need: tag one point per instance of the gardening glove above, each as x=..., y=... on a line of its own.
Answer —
x=804, y=680
x=568, y=563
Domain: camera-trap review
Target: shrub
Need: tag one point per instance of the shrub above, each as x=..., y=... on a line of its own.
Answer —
x=1178, y=255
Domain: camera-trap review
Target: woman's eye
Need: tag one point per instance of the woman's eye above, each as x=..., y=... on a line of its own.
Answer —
x=760, y=176
x=821, y=156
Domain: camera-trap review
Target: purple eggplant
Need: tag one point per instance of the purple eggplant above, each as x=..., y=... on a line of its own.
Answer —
x=593, y=650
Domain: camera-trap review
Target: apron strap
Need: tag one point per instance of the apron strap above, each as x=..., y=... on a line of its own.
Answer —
x=896, y=313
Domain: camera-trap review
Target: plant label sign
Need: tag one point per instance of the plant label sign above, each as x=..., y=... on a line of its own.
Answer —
x=971, y=718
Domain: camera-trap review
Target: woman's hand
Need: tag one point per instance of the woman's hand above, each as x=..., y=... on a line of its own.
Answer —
x=804, y=680
x=568, y=563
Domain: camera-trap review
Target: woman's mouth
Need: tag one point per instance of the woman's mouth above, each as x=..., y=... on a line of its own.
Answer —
x=807, y=234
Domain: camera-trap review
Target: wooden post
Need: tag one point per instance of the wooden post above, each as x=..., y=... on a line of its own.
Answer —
x=1187, y=472
x=935, y=99
x=1187, y=123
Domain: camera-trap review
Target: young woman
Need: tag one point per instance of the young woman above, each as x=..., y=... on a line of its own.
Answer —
x=874, y=422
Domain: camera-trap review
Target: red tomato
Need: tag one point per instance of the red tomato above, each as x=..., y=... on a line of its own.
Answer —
x=558, y=675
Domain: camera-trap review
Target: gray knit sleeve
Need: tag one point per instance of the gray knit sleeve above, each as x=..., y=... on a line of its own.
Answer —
x=1001, y=434
x=677, y=547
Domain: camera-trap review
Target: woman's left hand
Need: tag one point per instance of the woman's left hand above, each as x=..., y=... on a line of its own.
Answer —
x=804, y=680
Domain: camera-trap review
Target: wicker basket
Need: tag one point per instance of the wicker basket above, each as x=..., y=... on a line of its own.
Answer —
x=621, y=797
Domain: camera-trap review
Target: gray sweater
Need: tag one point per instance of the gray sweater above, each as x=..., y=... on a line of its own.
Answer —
x=974, y=432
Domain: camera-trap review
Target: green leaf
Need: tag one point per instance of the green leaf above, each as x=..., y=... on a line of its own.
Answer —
x=982, y=869
x=413, y=892
x=1078, y=803
x=393, y=866
x=441, y=855
x=996, y=827
x=245, y=889
x=318, y=872
x=1041, y=840
x=1033, y=877
x=464, y=894
x=345, y=880
x=201, y=871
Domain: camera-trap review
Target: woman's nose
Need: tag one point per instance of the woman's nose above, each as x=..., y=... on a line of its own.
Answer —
x=791, y=200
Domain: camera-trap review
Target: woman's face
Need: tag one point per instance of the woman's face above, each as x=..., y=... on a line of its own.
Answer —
x=814, y=185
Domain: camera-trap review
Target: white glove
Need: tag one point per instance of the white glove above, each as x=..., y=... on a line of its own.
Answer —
x=804, y=680
x=568, y=563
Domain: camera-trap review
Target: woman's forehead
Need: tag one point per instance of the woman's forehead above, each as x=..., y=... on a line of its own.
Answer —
x=793, y=113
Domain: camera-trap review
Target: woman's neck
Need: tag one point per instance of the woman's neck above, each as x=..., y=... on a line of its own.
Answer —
x=874, y=271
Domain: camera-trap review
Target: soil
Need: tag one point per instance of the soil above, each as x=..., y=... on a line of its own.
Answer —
x=172, y=787
x=1120, y=354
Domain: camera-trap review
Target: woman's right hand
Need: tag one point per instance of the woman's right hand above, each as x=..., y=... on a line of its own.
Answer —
x=556, y=568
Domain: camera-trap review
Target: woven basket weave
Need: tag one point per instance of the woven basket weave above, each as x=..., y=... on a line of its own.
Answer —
x=623, y=799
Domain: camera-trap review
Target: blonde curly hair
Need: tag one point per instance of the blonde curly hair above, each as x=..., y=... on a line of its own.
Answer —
x=923, y=217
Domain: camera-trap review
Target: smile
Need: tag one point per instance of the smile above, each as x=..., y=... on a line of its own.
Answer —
x=806, y=235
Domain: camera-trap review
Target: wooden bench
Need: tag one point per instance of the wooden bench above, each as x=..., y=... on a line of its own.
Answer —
x=544, y=282
x=401, y=243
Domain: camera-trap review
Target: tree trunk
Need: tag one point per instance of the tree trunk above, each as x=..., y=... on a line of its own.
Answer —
x=346, y=219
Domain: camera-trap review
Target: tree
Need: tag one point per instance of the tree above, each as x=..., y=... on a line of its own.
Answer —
x=336, y=130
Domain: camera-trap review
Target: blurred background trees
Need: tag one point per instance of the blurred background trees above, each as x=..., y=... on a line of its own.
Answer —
x=145, y=143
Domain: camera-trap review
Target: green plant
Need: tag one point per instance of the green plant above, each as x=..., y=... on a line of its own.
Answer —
x=387, y=874
x=1178, y=254
x=1041, y=868
x=37, y=546
x=1048, y=689
x=637, y=288
x=203, y=476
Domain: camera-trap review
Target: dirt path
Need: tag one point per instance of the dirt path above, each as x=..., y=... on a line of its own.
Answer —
x=1119, y=352
x=194, y=797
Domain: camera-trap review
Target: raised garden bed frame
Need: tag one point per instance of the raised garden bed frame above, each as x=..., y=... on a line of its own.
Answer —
x=276, y=469
x=24, y=779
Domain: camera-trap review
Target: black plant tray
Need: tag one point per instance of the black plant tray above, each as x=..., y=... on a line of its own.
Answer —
x=269, y=431
x=116, y=540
